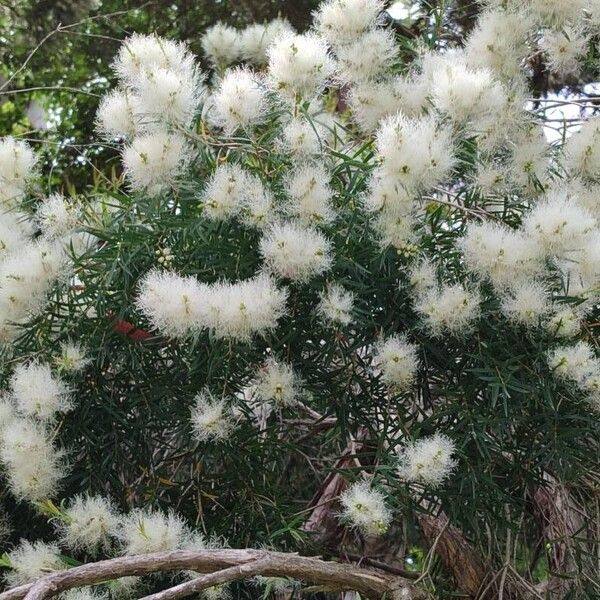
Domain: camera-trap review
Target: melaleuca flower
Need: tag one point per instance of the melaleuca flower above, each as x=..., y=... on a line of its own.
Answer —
x=17, y=164
x=299, y=65
x=212, y=419
x=558, y=224
x=423, y=277
x=368, y=57
x=344, y=21
x=304, y=138
x=225, y=192
x=372, y=101
x=529, y=160
x=258, y=209
x=277, y=384
x=57, y=215
x=564, y=50
x=419, y=153
x=464, y=94
x=365, y=509
x=557, y=12
x=30, y=561
x=15, y=232
x=141, y=54
x=144, y=530
x=221, y=45
x=240, y=100
x=396, y=228
x=501, y=254
x=386, y=194
x=428, y=461
x=564, y=323
x=491, y=179
x=89, y=524
x=336, y=305
x=172, y=303
x=26, y=277
x=577, y=363
x=7, y=413
x=165, y=97
x=256, y=38
x=245, y=308
x=33, y=467
x=153, y=161
x=499, y=41
x=452, y=308
x=72, y=358
x=582, y=151
x=116, y=116
x=38, y=393
x=526, y=303
x=295, y=252
x=397, y=359
x=309, y=195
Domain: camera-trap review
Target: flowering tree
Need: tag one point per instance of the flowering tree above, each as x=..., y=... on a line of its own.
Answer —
x=342, y=301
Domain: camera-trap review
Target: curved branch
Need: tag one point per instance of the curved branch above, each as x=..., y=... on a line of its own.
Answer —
x=369, y=582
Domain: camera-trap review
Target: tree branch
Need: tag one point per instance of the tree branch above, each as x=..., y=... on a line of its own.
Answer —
x=225, y=565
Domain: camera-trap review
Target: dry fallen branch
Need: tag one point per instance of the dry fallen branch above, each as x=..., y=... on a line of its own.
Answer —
x=223, y=566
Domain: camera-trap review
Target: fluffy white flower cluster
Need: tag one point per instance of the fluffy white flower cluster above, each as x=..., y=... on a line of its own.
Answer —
x=398, y=361
x=365, y=508
x=17, y=166
x=182, y=306
x=428, y=461
x=277, y=384
x=336, y=305
x=212, y=419
x=29, y=561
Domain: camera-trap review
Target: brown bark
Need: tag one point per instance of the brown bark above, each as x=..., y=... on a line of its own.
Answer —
x=335, y=576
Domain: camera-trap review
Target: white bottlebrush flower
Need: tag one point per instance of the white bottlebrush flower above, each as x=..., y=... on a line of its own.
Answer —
x=309, y=195
x=564, y=323
x=57, y=215
x=418, y=152
x=344, y=21
x=368, y=57
x=582, y=151
x=30, y=561
x=299, y=65
x=295, y=252
x=304, y=138
x=423, y=277
x=277, y=384
x=225, y=192
x=365, y=509
x=384, y=193
x=145, y=530
x=173, y=304
x=256, y=38
x=501, y=254
x=558, y=224
x=72, y=357
x=453, y=308
x=245, y=308
x=240, y=100
x=465, y=94
x=396, y=228
x=165, y=97
x=212, y=419
x=154, y=160
x=529, y=161
x=557, y=12
x=336, y=305
x=116, y=117
x=222, y=45
x=491, y=179
x=37, y=392
x=90, y=524
x=576, y=363
x=428, y=461
x=17, y=164
x=33, y=466
x=372, y=101
x=7, y=413
x=564, y=50
x=526, y=303
x=141, y=54
x=499, y=42
x=15, y=231
x=258, y=208
x=397, y=358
